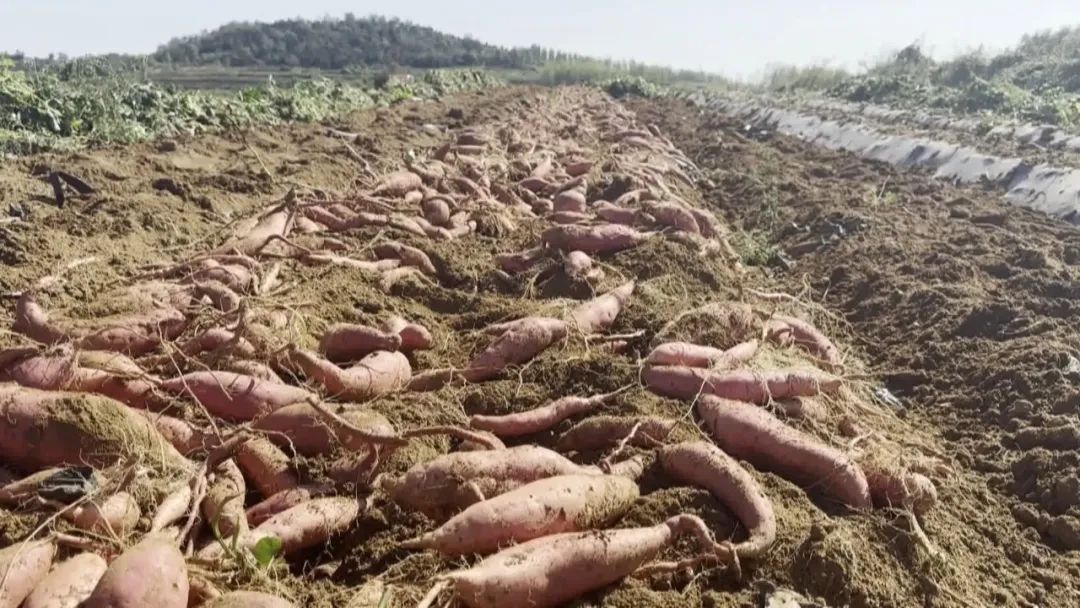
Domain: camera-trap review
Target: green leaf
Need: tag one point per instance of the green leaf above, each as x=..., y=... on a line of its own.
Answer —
x=266, y=550
x=384, y=601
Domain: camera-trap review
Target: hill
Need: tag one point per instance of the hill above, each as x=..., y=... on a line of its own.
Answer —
x=341, y=43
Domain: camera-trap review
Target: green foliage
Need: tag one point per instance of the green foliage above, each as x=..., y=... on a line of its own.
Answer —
x=790, y=78
x=266, y=550
x=41, y=111
x=632, y=85
x=580, y=70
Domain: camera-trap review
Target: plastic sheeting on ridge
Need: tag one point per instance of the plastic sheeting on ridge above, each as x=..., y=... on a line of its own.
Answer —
x=1052, y=190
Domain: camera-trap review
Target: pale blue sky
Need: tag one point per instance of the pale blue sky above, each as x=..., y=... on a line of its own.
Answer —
x=730, y=36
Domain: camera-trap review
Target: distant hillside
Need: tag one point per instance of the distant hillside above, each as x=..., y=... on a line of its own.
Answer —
x=341, y=43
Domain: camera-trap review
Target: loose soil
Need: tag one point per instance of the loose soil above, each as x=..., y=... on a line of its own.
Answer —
x=961, y=307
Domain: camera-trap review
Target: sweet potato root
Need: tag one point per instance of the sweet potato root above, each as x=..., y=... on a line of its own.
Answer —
x=619, y=215
x=542, y=418
x=232, y=396
x=398, y=183
x=68, y=584
x=171, y=508
x=565, y=503
x=275, y=223
x=784, y=330
x=300, y=427
x=552, y=570
x=377, y=374
x=248, y=599
x=752, y=386
x=696, y=355
x=413, y=335
x=528, y=338
x=44, y=428
x=703, y=464
x=283, y=501
x=152, y=573
x=602, y=432
x=223, y=506
x=605, y=238
x=349, y=342
x=266, y=466
x=569, y=200
x=752, y=434
x=599, y=313
x=22, y=567
x=409, y=256
x=114, y=516
x=893, y=488
x=308, y=524
x=673, y=215
x=519, y=262
x=185, y=437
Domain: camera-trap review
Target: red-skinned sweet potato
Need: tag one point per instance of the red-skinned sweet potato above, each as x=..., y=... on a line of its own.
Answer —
x=784, y=329
x=409, y=256
x=349, y=342
x=232, y=396
x=114, y=516
x=69, y=583
x=377, y=374
x=266, y=466
x=152, y=573
x=223, y=506
x=22, y=567
x=542, y=418
x=413, y=335
x=248, y=599
x=599, y=313
x=601, y=239
x=285, y=500
x=752, y=386
x=602, y=432
x=300, y=427
x=696, y=355
x=528, y=338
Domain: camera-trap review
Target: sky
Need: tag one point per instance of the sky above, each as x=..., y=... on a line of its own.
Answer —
x=739, y=38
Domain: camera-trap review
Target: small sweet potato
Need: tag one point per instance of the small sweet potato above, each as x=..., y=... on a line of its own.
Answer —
x=349, y=342
x=602, y=432
x=22, y=567
x=68, y=584
x=696, y=355
x=783, y=330
x=275, y=223
x=526, y=339
x=565, y=503
x=300, y=427
x=409, y=256
x=618, y=215
x=223, y=506
x=232, y=396
x=413, y=335
x=114, y=516
x=570, y=200
x=398, y=183
x=248, y=599
x=283, y=501
x=753, y=386
x=703, y=464
x=519, y=262
x=604, y=238
x=185, y=437
x=752, y=434
x=540, y=419
x=599, y=313
x=152, y=573
x=674, y=215
x=436, y=211
x=266, y=466
x=173, y=507
x=309, y=524
x=377, y=374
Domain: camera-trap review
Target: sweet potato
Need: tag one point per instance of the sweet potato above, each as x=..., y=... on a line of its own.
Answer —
x=40, y=371
x=300, y=427
x=409, y=256
x=413, y=335
x=579, y=265
x=232, y=396
x=599, y=313
x=69, y=583
x=703, y=464
x=542, y=418
x=569, y=200
x=255, y=369
x=283, y=501
x=266, y=466
x=61, y=371
x=753, y=386
x=752, y=434
x=186, y=438
x=308, y=524
x=552, y=570
x=619, y=215
x=45, y=428
x=604, y=238
x=519, y=262
x=152, y=573
x=233, y=276
x=673, y=215
x=696, y=355
x=22, y=567
x=568, y=217
x=248, y=599
x=449, y=483
x=114, y=516
x=536, y=184
x=223, y=506
x=377, y=374
x=602, y=432
x=783, y=329
x=172, y=508
x=576, y=168
x=275, y=223
x=528, y=338
x=218, y=339
x=891, y=487
x=349, y=342
x=565, y=503
x=436, y=211
x=708, y=224
x=398, y=183
x=303, y=225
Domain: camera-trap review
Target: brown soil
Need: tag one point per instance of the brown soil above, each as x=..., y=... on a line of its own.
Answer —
x=962, y=306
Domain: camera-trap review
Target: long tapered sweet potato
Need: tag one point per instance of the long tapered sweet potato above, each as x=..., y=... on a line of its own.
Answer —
x=350, y=342
x=552, y=570
x=784, y=329
x=22, y=567
x=172, y=508
x=752, y=434
x=266, y=466
x=528, y=338
x=46, y=428
x=248, y=599
x=232, y=396
x=69, y=583
x=542, y=418
x=617, y=215
x=152, y=573
x=442, y=486
x=223, y=506
x=301, y=428
x=63, y=371
x=409, y=256
x=565, y=503
x=674, y=215
x=599, y=313
x=285, y=500
x=752, y=386
x=377, y=374
x=696, y=355
x=398, y=183
x=601, y=432
x=309, y=524
x=703, y=464
x=605, y=238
